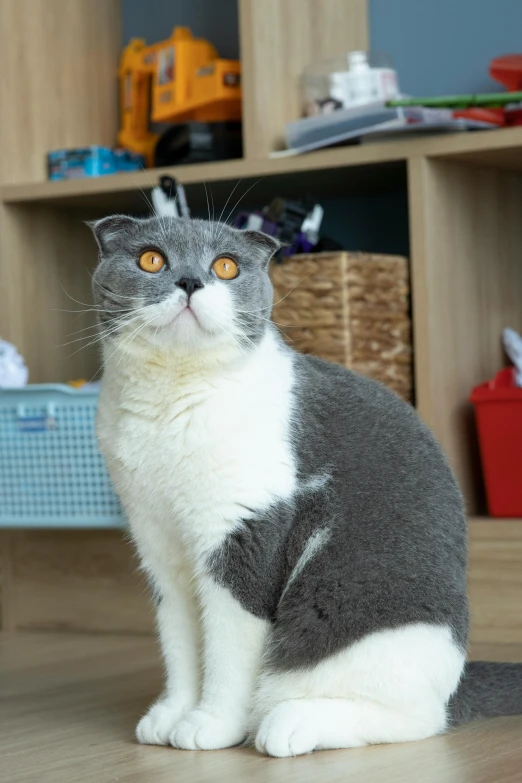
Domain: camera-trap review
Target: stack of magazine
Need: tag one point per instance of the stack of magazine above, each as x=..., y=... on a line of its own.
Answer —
x=367, y=122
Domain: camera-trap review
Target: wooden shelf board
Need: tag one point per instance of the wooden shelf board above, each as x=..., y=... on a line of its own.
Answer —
x=501, y=148
x=495, y=580
x=490, y=523
x=105, y=589
x=199, y=173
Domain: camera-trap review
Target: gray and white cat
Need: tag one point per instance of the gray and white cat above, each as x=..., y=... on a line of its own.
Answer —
x=302, y=531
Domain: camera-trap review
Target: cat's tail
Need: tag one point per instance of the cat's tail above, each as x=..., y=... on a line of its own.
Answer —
x=487, y=690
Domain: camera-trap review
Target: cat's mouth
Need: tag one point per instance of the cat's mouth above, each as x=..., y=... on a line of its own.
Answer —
x=186, y=313
x=188, y=319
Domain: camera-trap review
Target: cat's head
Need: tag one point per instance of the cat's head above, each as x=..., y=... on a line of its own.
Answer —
x=181, y=283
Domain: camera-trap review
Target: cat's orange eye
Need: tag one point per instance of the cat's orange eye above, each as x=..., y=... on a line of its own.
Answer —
x=151, y=261
x=225, y=268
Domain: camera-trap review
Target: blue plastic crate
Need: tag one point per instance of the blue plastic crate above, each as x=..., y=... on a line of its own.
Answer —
x=51, y=471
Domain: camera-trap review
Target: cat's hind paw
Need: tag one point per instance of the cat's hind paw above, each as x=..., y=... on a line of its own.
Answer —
x=201, y=730
x=288, y=730
x=157, y=724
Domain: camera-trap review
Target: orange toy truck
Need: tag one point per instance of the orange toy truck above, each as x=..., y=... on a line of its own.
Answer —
x=180, y=79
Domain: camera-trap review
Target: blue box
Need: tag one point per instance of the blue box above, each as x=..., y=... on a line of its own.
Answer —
x=91, y=161
x=52, y=473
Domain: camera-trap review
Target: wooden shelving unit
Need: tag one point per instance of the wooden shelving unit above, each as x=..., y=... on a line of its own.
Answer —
x=464, y=193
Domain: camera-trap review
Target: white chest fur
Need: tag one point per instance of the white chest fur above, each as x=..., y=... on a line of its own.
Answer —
x=193, y=450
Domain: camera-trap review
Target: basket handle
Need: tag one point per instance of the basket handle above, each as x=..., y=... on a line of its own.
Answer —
x=50, y=410
x=47, y=420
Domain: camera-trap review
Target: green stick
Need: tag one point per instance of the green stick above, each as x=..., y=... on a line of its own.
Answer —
x=491, y=100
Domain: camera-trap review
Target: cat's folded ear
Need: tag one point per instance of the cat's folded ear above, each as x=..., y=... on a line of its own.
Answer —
x=108, y=230
x=265, y=245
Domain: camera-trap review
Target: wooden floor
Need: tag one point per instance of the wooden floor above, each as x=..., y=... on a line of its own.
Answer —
x=69, y=703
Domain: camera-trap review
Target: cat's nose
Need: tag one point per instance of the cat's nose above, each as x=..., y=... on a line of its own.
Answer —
x=189, y=284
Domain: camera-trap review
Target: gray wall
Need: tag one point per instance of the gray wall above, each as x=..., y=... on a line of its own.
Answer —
x=438, y=46
x=215, y=20
x=442, y=47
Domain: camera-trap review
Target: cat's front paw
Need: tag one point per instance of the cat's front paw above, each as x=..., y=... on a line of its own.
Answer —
x=157, y=724
x=291, y=729
x=201, y=730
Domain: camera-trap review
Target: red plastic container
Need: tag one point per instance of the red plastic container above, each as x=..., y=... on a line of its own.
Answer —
x=498, y=410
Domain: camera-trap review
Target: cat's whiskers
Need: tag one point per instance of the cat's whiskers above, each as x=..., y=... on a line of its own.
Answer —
x=228, y=200
x=98, y=339
x=101, y=337
x=270, y=321
x=213, y=208
x=77, y=301
x=96, y=325
x=280, y=327
x=103, y=334
x=264, y=318
x=82, y=312
x=210, y=219
x=116, y=324
x=112, y=293
x=107, y=329
x=241, y=336
x=269, y=307
x=108, y=291
x=88, y=305
x=129, y=340
x=208, y=203
x=240, y=199
x=147, y=201
x=161, y=218
x=157, y=330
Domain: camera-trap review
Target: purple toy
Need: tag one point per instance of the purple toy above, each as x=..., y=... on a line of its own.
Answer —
x=289, y=221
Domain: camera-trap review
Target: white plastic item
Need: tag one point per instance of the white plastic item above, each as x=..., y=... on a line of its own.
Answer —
x=163, y=205
x=513, y=345
x=173, y=204
x=356, y=79
x=13, y=372
x=361, y=83
x=311, y=225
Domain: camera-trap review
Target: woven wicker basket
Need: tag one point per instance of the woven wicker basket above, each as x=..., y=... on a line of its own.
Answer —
x=350, y=308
